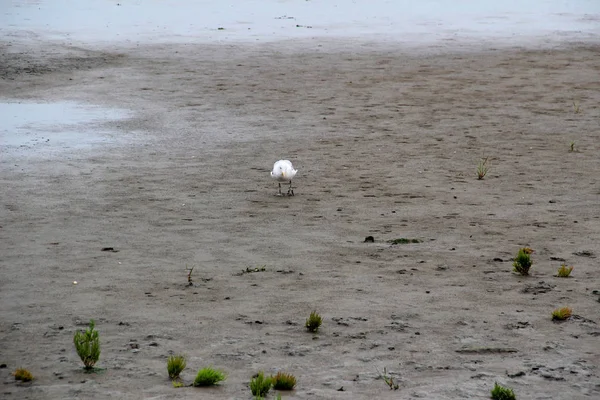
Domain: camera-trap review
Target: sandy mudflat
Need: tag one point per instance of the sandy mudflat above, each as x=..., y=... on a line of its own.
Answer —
x=386, y=142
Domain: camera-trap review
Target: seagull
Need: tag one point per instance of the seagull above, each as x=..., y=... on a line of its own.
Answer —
x=283, y=171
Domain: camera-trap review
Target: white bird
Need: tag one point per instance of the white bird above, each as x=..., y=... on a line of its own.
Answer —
x=283, y=171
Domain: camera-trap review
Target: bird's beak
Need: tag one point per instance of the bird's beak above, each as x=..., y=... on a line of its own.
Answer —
x=283, y=173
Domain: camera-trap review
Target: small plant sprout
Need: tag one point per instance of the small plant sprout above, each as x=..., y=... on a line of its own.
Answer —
x=564, y=271
x=522, y=263
x=260, y=384
x=576, y=108
x=283, y=381
x=209, y=377
x=178, y=384
x=388, y=379
x=572, y=147
x=189, y=276
x=87, y=344
x=175, y=365
x=313, y=322
x=502, y=393
x=561, y=314
x=23, y=375
x=482, y=168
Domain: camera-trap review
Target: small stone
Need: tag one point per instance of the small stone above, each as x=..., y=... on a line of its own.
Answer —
x=369, y=239
x=341, y=389
x=153, y=344
x=2, y=365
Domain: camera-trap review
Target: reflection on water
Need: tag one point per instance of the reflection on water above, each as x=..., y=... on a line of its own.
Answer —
x=200, y=20
x=26, y=124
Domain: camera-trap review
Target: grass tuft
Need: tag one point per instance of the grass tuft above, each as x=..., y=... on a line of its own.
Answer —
x=388, y=379
x=87, y=344
x=175, y=365
x=522, y=263
x=260, y=385
x=564, y=271
x=561, y=314
x=23, y=375
x=482, y=168
x=502, y=393
x=209, y=377
x=283, y=381
x=313, y=322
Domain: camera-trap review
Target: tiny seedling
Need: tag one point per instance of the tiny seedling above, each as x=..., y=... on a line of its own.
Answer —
x=522, y=263
x=178, y=384
x=283, y=381
x=482, y=168
x=23, y=375
x=561, y=314
x=388, y=379
x=189, y=276
x=260, y=384
x=209, y=377
x=313, y=322
x=278, y=396
x=572, y=147
x=576, y=108
x=502, y=393
x=403, y=241
x=87, y=344
x=175, y=365
x=564, y=271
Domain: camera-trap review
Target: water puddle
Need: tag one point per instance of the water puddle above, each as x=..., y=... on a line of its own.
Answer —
x=64, y=124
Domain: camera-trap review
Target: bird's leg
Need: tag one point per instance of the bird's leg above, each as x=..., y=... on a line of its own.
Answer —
x=290, y=190
x=279, y=194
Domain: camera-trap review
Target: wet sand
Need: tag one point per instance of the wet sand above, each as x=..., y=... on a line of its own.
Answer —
x=386, y=141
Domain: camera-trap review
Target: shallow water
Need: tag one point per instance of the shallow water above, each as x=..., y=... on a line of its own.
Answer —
x=61, y=123
x=186, y=20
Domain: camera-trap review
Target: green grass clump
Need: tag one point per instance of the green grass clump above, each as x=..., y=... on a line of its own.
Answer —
x=209, y=377
x=564, y=271
x=175, y=365
x=283, y=381
x=87, y=344
x=502, y=393
x=522, y=263
x=260, y=385
x=313, y=322
x=561, y=314
x=403, y=241
x=482, y=168
x=23, y=375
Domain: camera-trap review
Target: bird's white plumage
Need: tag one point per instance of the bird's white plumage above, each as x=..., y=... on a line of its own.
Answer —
x=283, y=171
